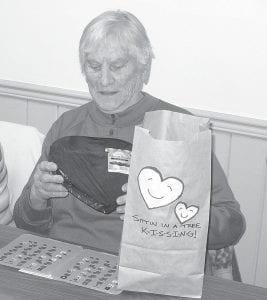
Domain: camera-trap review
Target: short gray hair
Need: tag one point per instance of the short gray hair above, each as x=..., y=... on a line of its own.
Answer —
x=124, y=27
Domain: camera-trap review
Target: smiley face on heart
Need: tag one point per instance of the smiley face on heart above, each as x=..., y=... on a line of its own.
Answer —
x=185, y=213
x=156, y=191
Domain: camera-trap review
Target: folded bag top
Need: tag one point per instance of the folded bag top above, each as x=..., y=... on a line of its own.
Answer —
x=94, y=169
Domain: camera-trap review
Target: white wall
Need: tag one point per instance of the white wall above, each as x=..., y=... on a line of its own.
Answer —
x=210, y=55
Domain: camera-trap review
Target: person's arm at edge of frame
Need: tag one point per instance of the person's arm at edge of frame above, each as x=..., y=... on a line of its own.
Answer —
x=227, y=223
x=25, y=216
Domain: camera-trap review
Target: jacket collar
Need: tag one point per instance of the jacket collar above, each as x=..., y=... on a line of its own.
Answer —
x=132, y=115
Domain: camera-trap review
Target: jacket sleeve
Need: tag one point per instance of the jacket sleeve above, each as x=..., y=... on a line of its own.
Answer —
x=24, y=215
x=227, y=224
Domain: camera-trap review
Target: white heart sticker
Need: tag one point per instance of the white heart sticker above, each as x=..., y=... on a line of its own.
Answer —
x=157, y=192
x=185, y=213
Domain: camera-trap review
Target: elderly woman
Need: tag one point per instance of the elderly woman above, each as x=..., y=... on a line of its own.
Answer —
x=115, y=58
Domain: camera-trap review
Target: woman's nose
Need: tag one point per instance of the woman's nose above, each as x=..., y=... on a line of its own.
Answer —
x=106, y=76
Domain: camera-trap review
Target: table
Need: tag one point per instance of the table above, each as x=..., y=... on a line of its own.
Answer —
x=19, y=286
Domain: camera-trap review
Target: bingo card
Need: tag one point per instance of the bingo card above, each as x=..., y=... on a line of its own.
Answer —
x=62, y=261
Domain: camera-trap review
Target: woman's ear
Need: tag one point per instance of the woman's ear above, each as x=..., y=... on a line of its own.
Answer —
x=146, y=72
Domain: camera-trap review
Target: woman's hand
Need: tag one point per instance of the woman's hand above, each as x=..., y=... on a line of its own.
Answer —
x=121, y=202
x=46, y=185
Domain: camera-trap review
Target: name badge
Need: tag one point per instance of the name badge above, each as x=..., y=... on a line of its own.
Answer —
x=118, y=160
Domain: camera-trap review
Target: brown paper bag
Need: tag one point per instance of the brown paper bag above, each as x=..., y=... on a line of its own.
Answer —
x=167, y=209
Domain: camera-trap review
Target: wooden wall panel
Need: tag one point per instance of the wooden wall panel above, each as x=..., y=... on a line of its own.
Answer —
x=41, y=115
x=261, y=278
x=13, y=110
x=246, y=176
x=222, y=147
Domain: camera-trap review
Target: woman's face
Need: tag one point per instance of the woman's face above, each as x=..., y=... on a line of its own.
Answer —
x=115, y=79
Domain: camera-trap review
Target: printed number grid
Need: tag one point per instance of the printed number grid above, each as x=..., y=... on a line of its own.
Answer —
x=35, y=254
x=62, y=261
x=92, y=269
